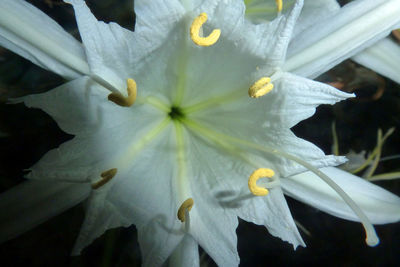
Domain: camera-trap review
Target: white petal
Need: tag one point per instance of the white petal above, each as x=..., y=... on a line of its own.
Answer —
x=146, y=194
x=270, y=40
x=186, y=253
x=259, y=11
x=101, y=215
x=156, y=18
x=109, y=47
x=272, y=212
x=212, y=225
x=84, y=158
x=314, y=11
x=157, y=242
x=29, y=32
x=296, y=98
x=137, y=195
x=383, y=58
x=219, y=186
x=33, y=202
x=357, y=26
x=80, y=107
x=379, y=205
x=215, y=231
x=265, y=121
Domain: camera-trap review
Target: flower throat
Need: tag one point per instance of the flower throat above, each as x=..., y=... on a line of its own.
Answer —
x=176, y=113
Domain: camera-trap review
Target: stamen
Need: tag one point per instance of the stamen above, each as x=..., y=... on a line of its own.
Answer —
x=185, y=207
x=261, y=87
x=279, y=4
x=255, y=176
x=128, y=101
x=195, y=31
x=106, y=176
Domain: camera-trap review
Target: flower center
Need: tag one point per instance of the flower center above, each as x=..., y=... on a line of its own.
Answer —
x=176, y=113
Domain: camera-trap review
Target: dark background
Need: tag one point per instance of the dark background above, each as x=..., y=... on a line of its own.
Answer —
x=330, y=242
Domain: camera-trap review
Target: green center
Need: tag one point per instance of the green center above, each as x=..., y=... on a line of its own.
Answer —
x=176, y=113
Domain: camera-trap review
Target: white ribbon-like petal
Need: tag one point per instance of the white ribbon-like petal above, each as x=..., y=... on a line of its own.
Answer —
x=30, y=33
x=357, y=26
x=379, y=205
x=383, y=57
x=33, y=202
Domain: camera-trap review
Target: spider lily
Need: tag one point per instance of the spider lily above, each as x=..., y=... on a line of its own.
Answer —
x=174, y=125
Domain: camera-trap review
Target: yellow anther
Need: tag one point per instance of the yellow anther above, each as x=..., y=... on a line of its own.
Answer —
x=261, y=87
x=195, y=31
x=279, y=4
x=255, y=176
x=128, y=101
x=186, y=205
x=106, y=176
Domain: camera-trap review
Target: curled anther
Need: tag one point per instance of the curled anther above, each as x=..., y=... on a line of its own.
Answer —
x=279, y=5
x=186, y=205
x=261, y=87
x=255, y=176
x=123, y=101
x=106, y=176
x=195, y=32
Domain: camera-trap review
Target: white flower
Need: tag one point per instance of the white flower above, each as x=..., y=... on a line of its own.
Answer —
x=192, y=132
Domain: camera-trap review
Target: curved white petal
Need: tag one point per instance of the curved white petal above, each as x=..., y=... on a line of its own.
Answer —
x=379, y=205
x=185, y=254
x=357, y=26
x=33, y=202
x=29, y=32
x=382, y=57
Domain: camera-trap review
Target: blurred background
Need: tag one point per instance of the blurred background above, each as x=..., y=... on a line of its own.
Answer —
x=27, y=134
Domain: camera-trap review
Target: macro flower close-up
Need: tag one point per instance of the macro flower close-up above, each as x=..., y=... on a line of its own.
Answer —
x=184, y=125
